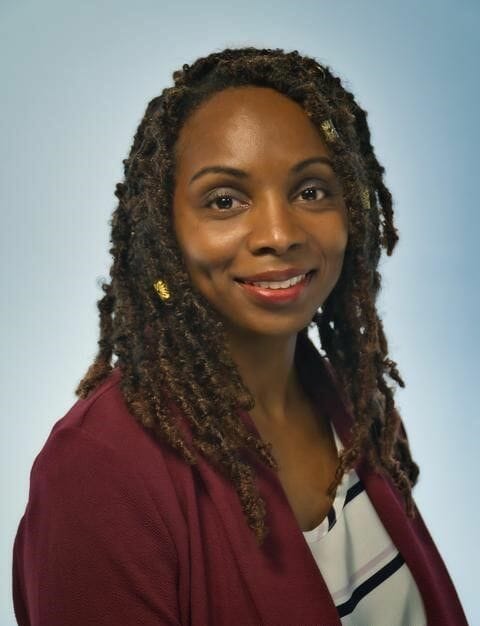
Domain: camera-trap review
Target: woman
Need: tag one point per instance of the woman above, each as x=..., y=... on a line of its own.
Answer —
x=223, y=471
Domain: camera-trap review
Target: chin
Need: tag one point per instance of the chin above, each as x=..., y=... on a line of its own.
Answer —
x=279, y=328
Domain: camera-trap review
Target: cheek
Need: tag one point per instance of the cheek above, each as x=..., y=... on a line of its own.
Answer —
x=206, y=250
x=334, y=237
x=189, y=238
x=337, y=243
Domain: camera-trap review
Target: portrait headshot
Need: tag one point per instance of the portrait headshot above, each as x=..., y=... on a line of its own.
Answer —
x=239, y=315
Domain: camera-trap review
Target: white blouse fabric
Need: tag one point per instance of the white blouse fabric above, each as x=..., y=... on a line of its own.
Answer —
x=368, y=579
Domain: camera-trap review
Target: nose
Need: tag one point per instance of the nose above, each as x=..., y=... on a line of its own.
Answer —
x=275, y=226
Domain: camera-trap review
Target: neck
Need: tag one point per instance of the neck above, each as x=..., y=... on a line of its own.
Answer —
x=267, y=367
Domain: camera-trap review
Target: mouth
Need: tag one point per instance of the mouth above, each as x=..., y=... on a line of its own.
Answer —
x=278, y=284
x=278, y=292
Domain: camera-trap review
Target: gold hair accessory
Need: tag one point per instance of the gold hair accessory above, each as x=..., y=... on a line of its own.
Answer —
x=161, y=288
x=365, y=198
x=329, y=130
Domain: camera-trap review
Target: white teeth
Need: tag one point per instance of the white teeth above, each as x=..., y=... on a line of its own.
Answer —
x=280, y=284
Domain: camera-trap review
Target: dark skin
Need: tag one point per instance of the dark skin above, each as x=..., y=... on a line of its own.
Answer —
x=271, y=218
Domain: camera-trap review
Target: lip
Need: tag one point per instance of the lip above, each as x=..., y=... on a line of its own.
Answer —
x=286, y=295
x=285, y=274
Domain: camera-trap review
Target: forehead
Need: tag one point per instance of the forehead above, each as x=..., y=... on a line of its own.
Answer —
x=248, y=122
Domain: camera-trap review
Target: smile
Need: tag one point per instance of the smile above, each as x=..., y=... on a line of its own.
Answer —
x=278, y=284
x=278, y=291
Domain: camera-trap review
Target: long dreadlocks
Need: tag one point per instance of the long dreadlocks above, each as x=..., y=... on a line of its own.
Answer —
x=178, y=353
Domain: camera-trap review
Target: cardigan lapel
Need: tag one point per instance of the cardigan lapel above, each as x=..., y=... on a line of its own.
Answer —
x=411, y=537
x=282, y=578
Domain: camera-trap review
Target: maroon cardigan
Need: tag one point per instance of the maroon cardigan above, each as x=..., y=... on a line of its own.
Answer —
x=118, y=530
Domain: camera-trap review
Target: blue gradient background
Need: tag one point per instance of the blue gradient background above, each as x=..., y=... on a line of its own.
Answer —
x=76, y=78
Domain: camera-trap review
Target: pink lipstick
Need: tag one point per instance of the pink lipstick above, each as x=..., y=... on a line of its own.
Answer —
x=282, y=295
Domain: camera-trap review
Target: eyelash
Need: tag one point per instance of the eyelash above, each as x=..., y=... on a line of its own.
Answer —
x=220, y=194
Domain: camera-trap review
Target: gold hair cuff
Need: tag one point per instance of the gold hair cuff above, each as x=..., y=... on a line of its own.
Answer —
x=329, y=130
x=161, y=288
x=365, y=198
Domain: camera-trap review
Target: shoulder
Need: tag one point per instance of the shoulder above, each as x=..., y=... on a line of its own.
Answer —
x=100, y=445
x=101, y=414
x=102, y=521
x=104, y=420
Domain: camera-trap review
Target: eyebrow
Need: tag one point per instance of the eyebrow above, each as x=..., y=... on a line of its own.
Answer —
x=233, y=171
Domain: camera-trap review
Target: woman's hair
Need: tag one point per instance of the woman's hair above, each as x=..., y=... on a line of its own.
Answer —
x=175, y=350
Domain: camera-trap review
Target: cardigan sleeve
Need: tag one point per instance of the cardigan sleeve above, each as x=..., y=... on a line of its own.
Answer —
x=92, y=548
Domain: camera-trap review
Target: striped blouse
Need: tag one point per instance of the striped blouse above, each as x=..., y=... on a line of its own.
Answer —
x=368, y=579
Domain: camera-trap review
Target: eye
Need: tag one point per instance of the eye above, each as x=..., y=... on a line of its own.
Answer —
x=312, y=190
x=223, y=199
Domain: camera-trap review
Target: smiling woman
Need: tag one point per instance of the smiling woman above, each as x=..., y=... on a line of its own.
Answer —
x=222, y=470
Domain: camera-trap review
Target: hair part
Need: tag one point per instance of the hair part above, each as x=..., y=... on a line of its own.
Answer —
x=174, y=352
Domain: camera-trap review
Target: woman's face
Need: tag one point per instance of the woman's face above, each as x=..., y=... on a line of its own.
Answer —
x=260, y=208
